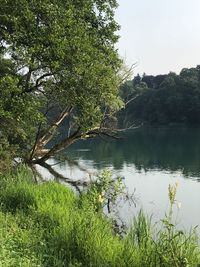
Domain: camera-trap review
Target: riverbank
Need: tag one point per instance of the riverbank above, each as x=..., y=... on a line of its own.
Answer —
x=48, y=225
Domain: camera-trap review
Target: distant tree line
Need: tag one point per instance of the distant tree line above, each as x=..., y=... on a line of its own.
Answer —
x=162, y=99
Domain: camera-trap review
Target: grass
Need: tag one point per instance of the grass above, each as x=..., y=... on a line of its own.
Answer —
x=47, y=225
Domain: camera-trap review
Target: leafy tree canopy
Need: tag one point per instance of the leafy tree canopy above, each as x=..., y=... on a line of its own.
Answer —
x=163, y=99
x=56, y=56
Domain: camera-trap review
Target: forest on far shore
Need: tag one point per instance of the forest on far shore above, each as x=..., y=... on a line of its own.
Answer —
x=162, y=99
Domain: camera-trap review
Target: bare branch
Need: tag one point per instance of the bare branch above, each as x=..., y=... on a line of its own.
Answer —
x=60, y=146
x=28, y=78
x=130, y=100
x=43, y=140
x=126, y=72
x=77, y=135
x=37, y=83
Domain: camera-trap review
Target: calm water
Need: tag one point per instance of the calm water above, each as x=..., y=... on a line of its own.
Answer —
x=150, y=159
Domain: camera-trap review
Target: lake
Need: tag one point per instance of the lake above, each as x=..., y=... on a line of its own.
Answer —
x=150, y=159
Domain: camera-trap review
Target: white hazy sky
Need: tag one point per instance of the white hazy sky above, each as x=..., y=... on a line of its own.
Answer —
x=160, y=35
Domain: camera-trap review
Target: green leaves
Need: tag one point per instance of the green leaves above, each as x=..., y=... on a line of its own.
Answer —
x=59, y=54
x=164, y=99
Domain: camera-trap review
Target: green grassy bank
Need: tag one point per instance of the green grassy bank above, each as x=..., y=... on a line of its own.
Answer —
x=48, y=225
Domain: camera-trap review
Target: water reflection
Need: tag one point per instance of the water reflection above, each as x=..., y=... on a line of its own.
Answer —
x=171, y=149
x=150, y=159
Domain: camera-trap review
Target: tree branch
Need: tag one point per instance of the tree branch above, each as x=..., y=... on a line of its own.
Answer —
x=59, y=146
x=130, y=100
x=45, y=138
x=66, y=142
x=37, y=82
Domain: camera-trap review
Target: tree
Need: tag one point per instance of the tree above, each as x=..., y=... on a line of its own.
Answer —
x=60, y=55
x=163, y=99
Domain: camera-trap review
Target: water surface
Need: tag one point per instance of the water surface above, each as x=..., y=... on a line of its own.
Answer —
x=150, y=159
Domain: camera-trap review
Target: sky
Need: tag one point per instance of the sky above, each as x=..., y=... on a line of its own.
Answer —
x=159, y=35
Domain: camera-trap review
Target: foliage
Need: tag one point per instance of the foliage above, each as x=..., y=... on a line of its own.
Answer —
x=167, y=246
x=163, y=99
x=105, y=191
x=56, y=56
x=6, y=154
x=53, y=229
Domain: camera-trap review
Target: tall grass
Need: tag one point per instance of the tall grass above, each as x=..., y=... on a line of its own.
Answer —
x=164, y=244
x=46, y=225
